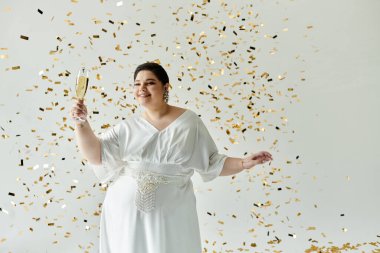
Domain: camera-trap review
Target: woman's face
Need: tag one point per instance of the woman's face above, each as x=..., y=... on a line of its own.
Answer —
x=148, y=90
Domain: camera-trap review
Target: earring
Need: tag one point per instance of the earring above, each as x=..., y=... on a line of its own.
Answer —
x=166, y=96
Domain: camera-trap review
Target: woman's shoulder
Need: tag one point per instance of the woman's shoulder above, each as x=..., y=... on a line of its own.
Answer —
x=180, y=110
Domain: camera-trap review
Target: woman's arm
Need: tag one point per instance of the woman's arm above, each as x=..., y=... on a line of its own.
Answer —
x=88, y=143
x=231, y=166
x=234, y=165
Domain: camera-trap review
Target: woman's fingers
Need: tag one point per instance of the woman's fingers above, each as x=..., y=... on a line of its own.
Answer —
x=79, y=103
x=262, y=156
x=256, y=159
x=78, y=109
x=267, y=154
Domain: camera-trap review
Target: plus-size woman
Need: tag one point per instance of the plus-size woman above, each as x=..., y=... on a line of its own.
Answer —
x=149, y=159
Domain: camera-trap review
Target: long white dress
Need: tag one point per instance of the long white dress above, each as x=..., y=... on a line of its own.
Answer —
x=150, y=206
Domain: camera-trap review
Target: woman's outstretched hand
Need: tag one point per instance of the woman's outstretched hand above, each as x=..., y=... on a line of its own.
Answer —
x=255, y=159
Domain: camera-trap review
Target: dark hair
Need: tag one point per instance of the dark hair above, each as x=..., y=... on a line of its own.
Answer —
x=157, y=70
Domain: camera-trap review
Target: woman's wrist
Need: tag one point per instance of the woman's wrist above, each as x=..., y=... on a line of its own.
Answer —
x=81, y=124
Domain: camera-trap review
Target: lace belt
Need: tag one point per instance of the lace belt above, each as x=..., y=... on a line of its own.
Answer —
x=147, y=185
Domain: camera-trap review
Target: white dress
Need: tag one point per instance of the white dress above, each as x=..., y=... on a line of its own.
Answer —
x=150, y=206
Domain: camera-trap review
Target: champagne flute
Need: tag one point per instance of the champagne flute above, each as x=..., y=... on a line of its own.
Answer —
x=81, y=87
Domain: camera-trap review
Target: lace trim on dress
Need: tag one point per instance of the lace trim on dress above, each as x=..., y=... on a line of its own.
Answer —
x=147, y=185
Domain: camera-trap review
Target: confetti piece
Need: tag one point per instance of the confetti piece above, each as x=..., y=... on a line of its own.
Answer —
x=120, y=3
x=24, y=37
x=41, y=12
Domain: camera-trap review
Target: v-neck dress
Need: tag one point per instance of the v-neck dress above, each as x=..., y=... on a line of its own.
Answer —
x=150, y=205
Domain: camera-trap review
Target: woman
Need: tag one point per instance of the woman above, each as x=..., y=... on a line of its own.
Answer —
x=150, y=206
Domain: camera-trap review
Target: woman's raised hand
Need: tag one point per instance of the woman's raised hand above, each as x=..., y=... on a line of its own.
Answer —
x=79, y=110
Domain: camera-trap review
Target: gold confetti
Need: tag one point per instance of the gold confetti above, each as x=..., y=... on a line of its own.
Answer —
x=117, y=48
x=24, y=37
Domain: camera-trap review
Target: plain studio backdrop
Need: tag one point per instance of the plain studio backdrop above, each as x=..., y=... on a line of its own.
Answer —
x=296, y=78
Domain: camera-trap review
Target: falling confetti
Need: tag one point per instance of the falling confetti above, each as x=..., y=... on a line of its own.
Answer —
x=217, y=62
x=24, y=37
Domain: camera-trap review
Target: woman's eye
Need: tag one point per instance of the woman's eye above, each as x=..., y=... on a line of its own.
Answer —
x=137, y=84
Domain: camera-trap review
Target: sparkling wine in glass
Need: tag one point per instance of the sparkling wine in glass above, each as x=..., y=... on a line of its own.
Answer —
x=81, y=86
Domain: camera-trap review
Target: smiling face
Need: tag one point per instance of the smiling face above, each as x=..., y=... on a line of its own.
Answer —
x=148, y=90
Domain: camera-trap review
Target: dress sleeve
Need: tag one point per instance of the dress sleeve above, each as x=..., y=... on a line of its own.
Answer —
x=111, y=161
x=206, y=159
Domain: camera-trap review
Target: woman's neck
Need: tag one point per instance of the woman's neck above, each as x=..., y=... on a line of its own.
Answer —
x=157, y=113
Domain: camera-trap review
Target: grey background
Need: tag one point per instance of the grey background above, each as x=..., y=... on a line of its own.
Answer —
x=329, y=56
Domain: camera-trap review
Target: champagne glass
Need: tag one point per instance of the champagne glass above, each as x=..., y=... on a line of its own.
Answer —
x=81, y=87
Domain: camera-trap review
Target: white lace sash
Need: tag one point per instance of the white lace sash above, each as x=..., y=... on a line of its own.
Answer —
x=147, y=185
